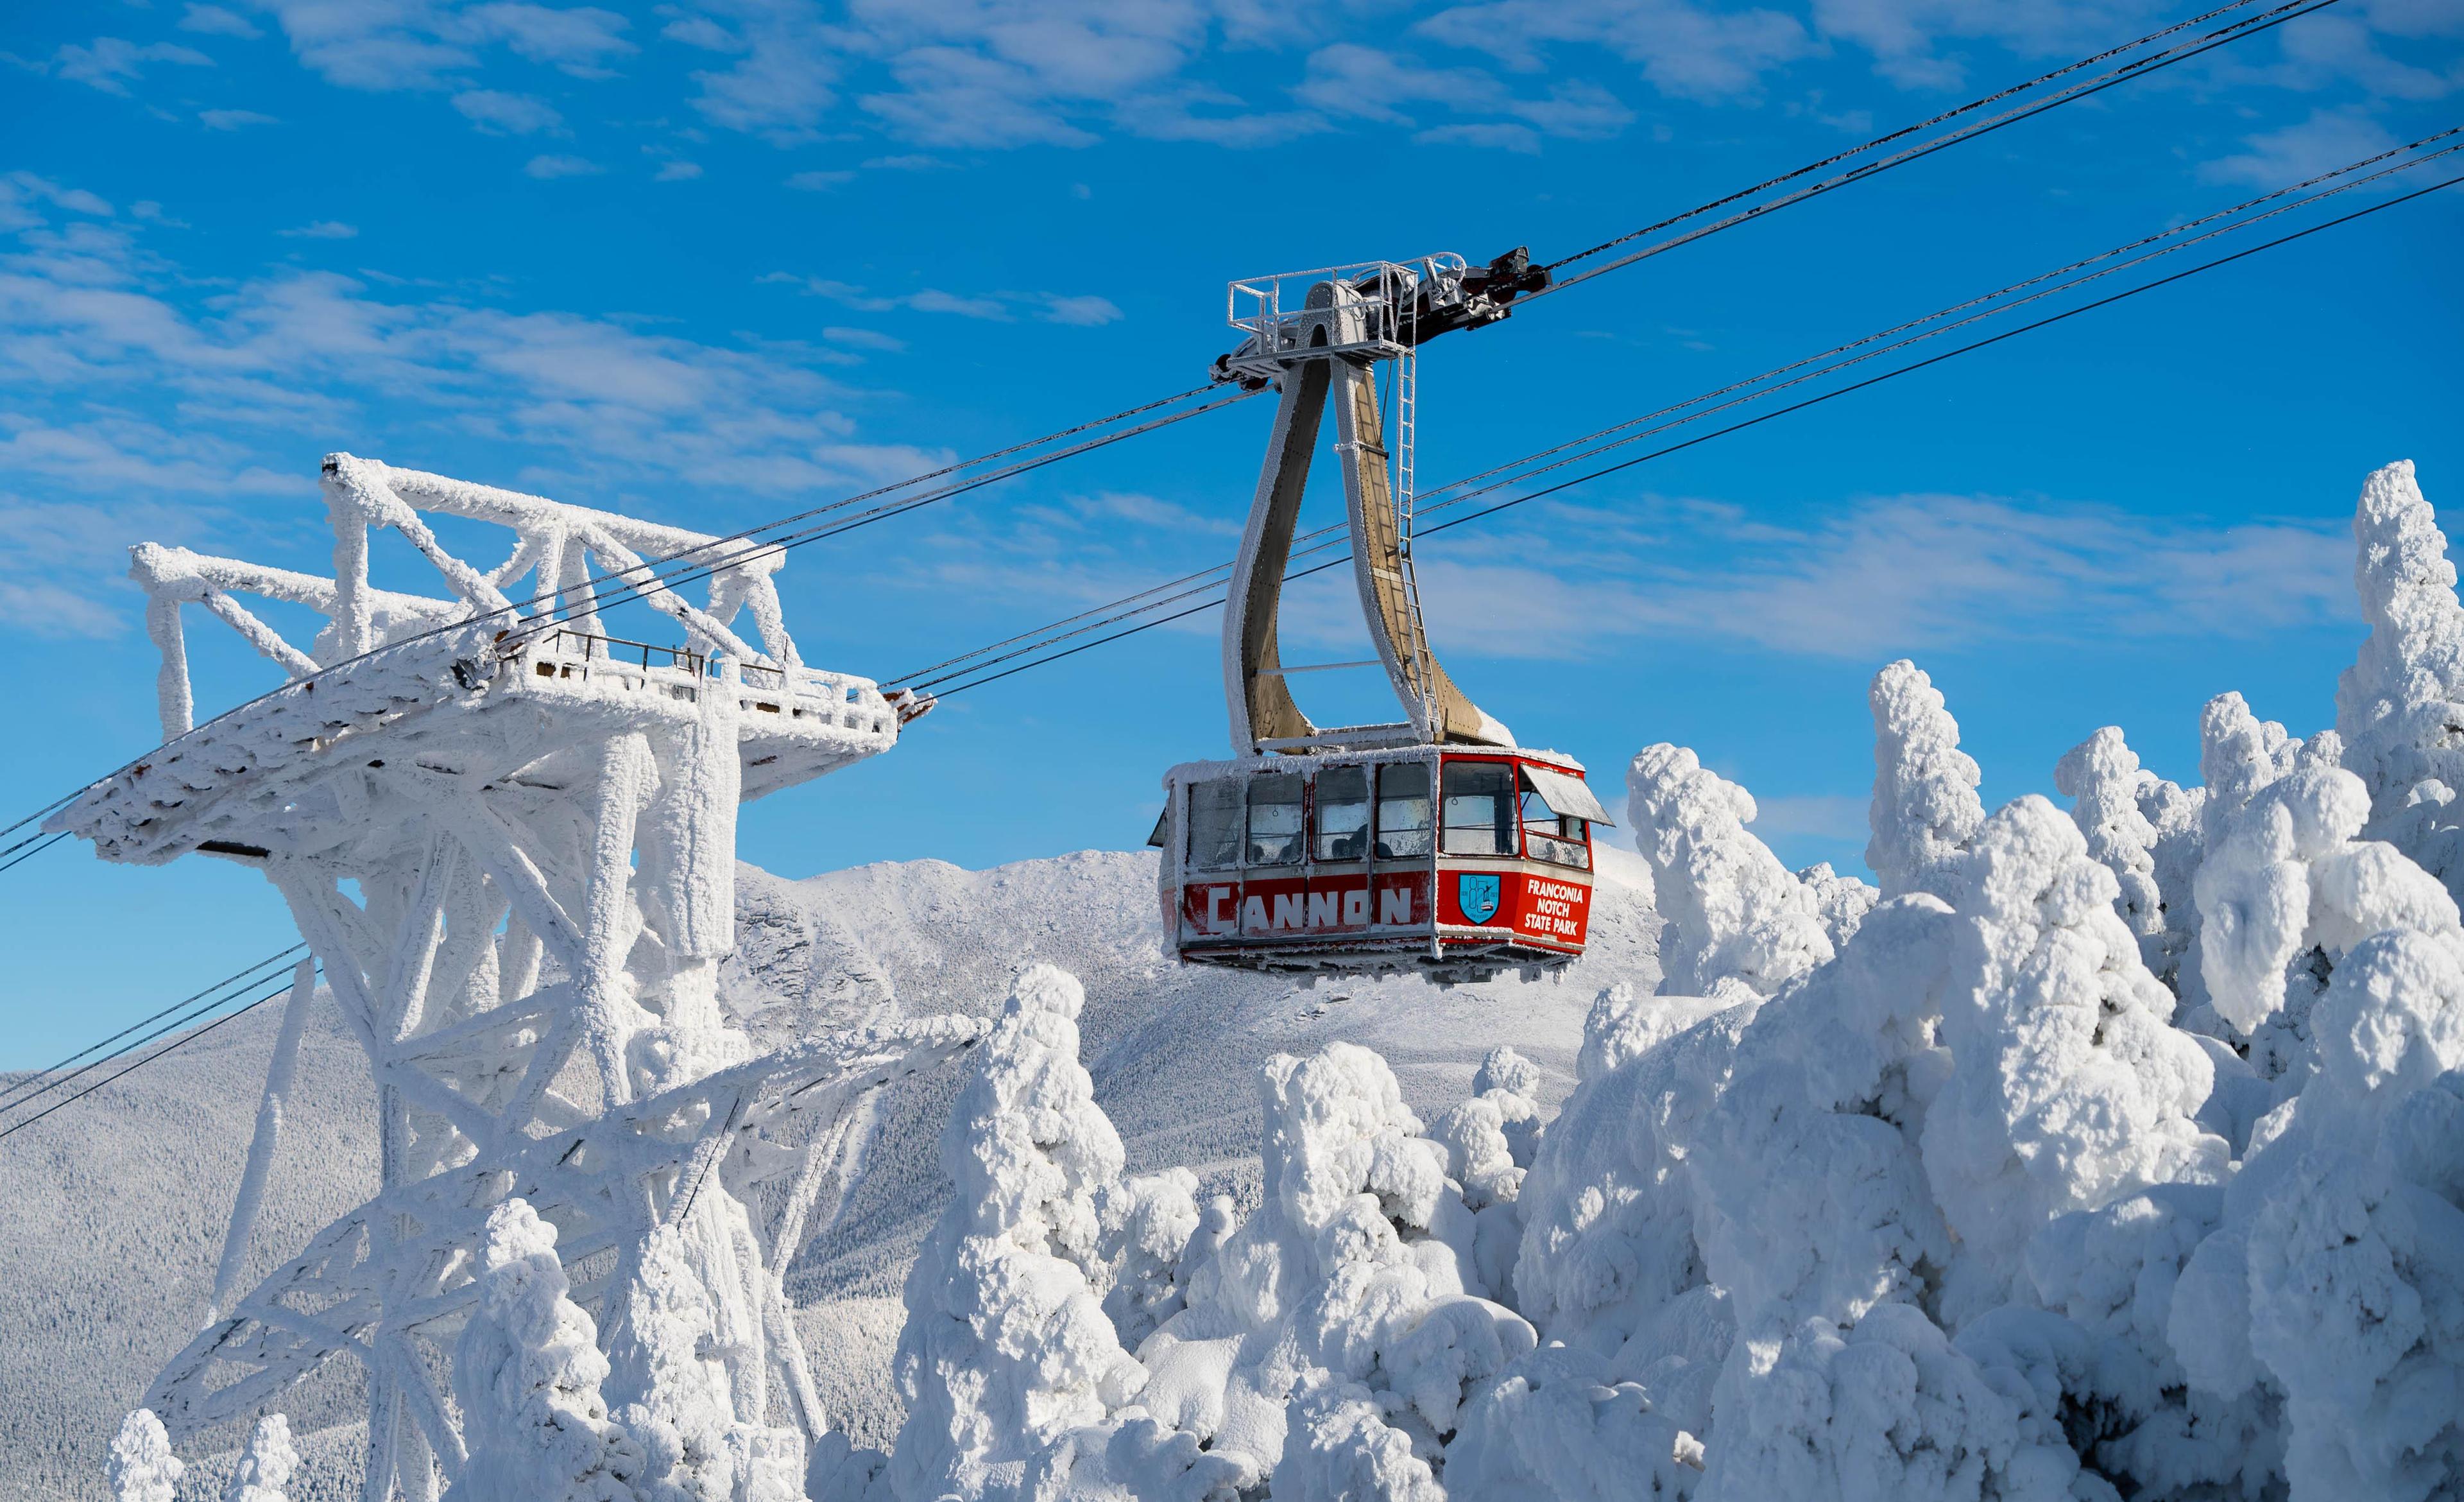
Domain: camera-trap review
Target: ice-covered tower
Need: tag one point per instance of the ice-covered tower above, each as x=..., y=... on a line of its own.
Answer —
x=509, y=839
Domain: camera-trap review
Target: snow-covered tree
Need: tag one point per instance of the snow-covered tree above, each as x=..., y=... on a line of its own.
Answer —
x=669, y=1389
x=1335, y=1334
x=2400, y=706
x=1841, y=902
x=2338, y=1275
x=527, y=1371
x=1016, y=1381
x=1148, y=1224
x=1610, y=1264
x=1925, y=807
x=143, y=1467
x=266, y=1465
x=1731, y=911
x=2112, y=797
x=2068, y=1087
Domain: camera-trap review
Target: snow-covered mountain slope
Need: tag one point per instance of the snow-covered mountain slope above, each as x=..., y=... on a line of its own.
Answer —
x=117, y=1204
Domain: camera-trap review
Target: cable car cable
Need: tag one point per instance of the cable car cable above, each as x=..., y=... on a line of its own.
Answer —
x=700, y=570
x=1052, y=634
x=2247, y=26
x=924, y=678
x=1798, y=406
x=44, y=1078
x=13, y=1128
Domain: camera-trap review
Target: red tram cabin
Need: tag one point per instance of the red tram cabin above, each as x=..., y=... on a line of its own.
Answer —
x=1455, y=863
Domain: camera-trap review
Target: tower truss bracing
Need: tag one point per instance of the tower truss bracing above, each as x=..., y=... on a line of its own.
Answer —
x=509, y=839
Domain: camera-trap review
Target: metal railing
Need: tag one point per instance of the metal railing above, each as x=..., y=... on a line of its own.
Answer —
x=617, y=650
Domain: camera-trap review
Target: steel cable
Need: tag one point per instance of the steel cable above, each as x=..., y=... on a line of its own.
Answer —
x=974, y=677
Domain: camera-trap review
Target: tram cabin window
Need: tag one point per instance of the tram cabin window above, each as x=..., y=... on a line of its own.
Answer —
x=1215, y=824
x=1343, y=814
x=1478, y=808
x=1402, y=810
x=1274, y=820
x=1553, y=838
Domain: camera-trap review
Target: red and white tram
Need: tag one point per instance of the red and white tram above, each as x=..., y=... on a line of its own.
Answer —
x=1463, y=861
x=1432, y=843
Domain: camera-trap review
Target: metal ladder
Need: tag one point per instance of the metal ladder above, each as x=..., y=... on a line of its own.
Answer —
x=1407, y=422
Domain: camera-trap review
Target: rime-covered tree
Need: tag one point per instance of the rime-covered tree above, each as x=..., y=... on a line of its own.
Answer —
x=527, y=1371
x=1731, y=911
x=141, y=1467
x=1017, y=1382
x=2400, y=706
x=1925, y=807
x=1336, y=1334
x=266, y=1465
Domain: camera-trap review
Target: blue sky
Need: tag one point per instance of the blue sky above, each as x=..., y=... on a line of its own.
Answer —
x=713, y=263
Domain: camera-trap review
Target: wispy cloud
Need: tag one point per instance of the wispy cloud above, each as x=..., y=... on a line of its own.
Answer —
x=111, y=63
x=212, y=20
x=322, y=229
x=1682, y=50
x=1838, y=587
x=554, y=166
x=504, y=114
x=418, y=44
x=121, y=373
x=1080, y=309
x=232, y=119
x=2324, y=142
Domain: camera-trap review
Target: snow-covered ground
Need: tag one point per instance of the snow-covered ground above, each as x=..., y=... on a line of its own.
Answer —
x=119, y=1204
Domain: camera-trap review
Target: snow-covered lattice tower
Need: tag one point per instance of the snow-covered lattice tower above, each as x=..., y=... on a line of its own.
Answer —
x=540, y=822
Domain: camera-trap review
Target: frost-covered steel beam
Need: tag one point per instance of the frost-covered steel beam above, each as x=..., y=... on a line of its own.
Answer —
x=325, y=1302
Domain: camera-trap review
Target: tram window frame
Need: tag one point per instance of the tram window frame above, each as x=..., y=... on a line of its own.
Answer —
x=1324, y=843
x=1228, y=821
x=1498, y=836
x=1409, y=841
x=1294, y=840
x=1557, y=839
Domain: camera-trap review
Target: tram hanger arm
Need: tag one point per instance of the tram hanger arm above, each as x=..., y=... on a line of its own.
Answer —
x=1483, y=295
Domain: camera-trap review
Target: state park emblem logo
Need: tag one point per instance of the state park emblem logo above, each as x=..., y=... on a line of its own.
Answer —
x=1477, y=895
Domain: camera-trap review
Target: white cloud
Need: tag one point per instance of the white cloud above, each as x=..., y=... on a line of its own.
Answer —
x=783, y=80
x=75, y=200
x=580, y=40
x=1085, y=310
x=1838, y=587
x=506, y=114
x=121, y=373
x=111, y=64
x=1501, y=137
x=1682, y=50
x=212, y=20
x=2327, y=140
x=554, y=166
x=676, y=173
x=1080, y=309
x=232, y=119
x=819, y=182
x=322, y=229
x=863, y=338
x=932, y=300
x=384, y=45
x=1347, y=78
